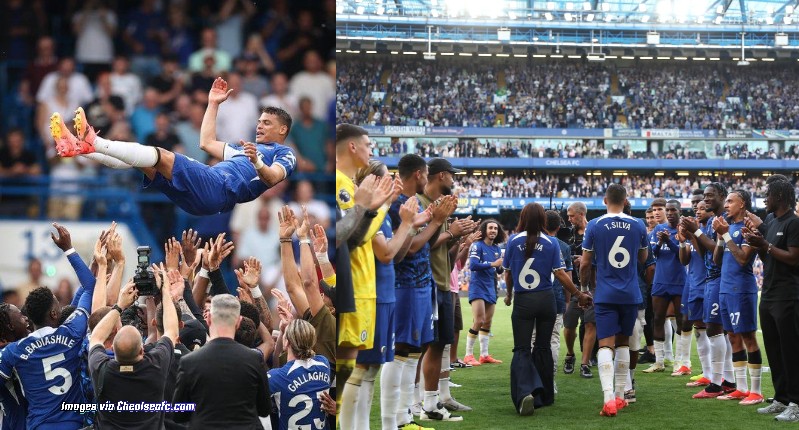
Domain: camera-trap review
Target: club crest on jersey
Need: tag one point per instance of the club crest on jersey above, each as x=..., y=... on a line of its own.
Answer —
x=736, y=234
x=344, y=196
x=363, y=336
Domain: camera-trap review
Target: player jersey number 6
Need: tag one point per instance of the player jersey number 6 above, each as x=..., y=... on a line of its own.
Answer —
x=526, y=271
x=615, y=251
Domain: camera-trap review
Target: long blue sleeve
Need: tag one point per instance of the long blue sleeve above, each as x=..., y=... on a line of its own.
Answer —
x=77, y=297
x=86, y=280
x=476, y=264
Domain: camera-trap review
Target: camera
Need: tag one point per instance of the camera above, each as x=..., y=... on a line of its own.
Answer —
x=144, y=278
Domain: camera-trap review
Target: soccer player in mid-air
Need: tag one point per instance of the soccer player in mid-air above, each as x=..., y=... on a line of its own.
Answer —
x=613, y=241
x=247, y=170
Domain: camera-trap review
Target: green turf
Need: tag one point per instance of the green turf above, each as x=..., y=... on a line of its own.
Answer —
x=663, y=401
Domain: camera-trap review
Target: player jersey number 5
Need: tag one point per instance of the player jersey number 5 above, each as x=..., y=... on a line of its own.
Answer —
x=51, y=373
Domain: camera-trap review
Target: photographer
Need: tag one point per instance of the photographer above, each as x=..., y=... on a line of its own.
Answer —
x=133, y=376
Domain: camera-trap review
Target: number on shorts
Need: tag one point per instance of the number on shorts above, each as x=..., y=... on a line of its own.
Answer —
x=715, y=310
x=616, y=250
x=527, y=270
x=735, y=317
x=302, y=413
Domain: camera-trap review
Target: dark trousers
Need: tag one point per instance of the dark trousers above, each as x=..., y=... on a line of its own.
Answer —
x=649, y=316
x=532, y=373
x=780, y=324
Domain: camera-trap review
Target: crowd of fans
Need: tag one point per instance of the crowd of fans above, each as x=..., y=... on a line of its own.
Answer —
x=179, y=336
x=568, y=94
x=142, y=71
x=576, y=186
x=578, y=148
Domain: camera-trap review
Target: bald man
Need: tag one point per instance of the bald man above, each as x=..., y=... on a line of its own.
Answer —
x=133, y=377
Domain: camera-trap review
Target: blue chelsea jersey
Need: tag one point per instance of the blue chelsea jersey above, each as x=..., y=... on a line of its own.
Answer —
x=481, y=256
x=615, y=240
x=669, y=270
x=47, y=363
x=240, y=175
x=384, y=273
x=296, y=388
x=713, y=271
x=534, y=273
x=736, y=278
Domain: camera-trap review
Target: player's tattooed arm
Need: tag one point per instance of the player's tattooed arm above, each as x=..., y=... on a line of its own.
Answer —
x=347, y=225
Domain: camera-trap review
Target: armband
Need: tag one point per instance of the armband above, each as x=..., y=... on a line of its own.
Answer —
x=258, y=164
x=256, y=292
x=203, y=273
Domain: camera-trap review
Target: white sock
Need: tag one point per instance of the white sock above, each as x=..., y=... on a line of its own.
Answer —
x=754, y=375
x=349, y=399
x=483, y=344
x=729, y=373
x=678, y=353
x=605, y=364
x=430, y=401
x=739, y=369
x=443, y=388
x=718, y=348
x=132, y=153
x=445, y=364
x=107, y=161
x=685, y=349
x=659, y=346
x=703, y=350
x=470, y=339
x=365, y=396
x=406, y=391
x=622, y=367
x=668, y=353
x=390, y=380
x=629, y=384
x=418, y=389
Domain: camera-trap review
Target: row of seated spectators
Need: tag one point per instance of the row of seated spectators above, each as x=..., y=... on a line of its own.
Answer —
x=490, y=148
x=524, y=185
x=566, y=94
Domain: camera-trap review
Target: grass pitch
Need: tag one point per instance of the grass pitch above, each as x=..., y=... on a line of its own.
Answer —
x=664, y=402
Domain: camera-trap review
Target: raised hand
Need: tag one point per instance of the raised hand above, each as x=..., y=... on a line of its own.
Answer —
x=383, y=191
x=127, y=295
x=172, y=252
x=364, y=192
x=663, y=236
x=219, y=91
x=176, y=284
x=281, y=299
x=114, y=245
x=64, y=240
x=422, y=218
x=284, y=312
x=302, y=227
x=397, y=189
x=408, y=211
x=189, y=244
x=461, y=226
x=720, y=225
x=287, y=221
x=319, y=239
x=159, y=280
x=219, y=250
x=244, y=292
x=689, y=223
x=474, y=237
x=99, y=252
x=752, y=221
x=252, y=271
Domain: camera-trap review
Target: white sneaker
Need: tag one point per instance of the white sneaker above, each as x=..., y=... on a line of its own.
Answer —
x=416, y=409
x=454, y=385
x=790, y=414
x=774, y=408
x=453, y=405
x=656, y=367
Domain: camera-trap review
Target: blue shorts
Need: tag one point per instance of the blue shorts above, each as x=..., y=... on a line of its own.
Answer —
x=686, y=291
x=612, y=319
x=695, y=309
x=413, y=316
x=696, y=292
x=383, y=350
x=195, y=187
x=666, y=290
x=480, y=293
x=712, y=312
x=739, y=312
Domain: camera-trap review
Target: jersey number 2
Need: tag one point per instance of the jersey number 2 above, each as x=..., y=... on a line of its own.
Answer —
x=51, y=373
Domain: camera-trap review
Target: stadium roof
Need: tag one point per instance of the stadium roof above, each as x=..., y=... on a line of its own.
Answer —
x=719, y=12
